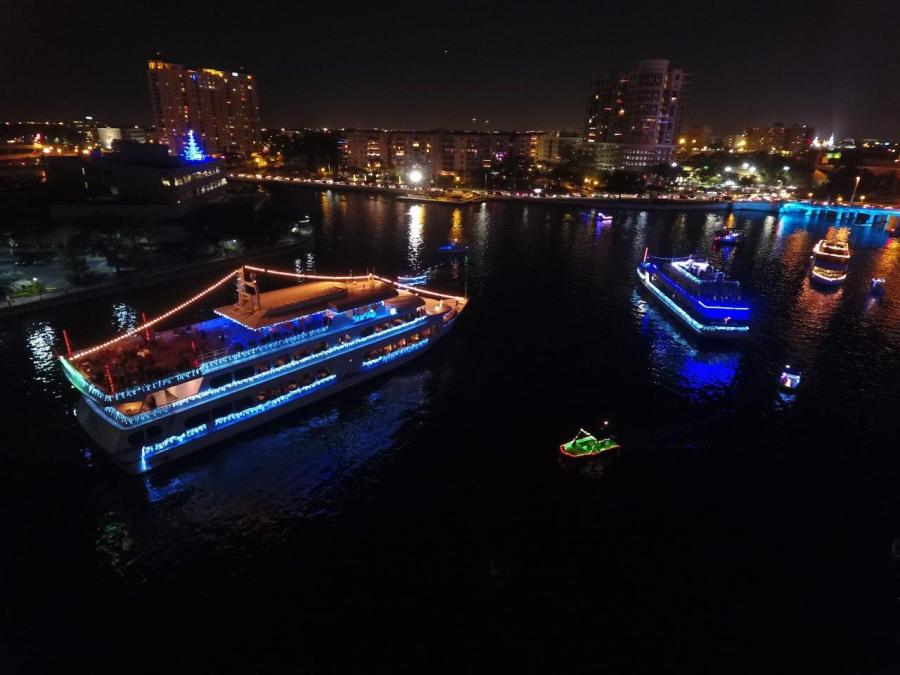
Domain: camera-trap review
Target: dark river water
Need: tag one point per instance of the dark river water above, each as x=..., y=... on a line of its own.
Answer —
x=423, y=520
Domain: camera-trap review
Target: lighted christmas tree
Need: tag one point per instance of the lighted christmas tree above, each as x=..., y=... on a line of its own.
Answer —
x=192, y=151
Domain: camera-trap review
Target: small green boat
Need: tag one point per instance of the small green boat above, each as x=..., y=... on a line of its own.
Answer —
x=586, y=445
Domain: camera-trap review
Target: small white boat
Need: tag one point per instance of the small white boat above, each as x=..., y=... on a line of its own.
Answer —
x=876, y=287
x=790, y=379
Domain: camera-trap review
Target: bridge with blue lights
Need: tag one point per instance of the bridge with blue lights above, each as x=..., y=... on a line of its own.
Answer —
x=846, y=214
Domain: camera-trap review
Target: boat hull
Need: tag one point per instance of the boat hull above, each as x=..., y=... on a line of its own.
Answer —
x=827, y=282
x=347, y=369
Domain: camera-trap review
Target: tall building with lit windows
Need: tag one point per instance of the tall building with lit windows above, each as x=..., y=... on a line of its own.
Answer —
x=633, y=116
x=221, y=107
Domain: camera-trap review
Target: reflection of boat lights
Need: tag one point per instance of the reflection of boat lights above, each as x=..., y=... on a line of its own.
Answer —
x=700, y=372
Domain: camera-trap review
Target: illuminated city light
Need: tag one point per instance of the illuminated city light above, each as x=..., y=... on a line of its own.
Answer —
x=192, y=151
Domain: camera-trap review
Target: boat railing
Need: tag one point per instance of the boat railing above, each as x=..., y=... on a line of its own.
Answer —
x=271, y=373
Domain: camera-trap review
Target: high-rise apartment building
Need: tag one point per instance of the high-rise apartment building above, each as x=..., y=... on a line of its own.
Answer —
x=438, y=152
x=633, y=116
x=778, y=138
x=221, y=107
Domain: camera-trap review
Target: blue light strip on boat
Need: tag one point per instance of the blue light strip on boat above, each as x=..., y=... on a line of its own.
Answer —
x=717, y=311
x=395, y=354
x=162, y=411
x=693, y=323
x=205, y=368
x=149, y=451
x=235, y=417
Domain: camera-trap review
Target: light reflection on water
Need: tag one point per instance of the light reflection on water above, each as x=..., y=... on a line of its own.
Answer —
x=301, y=467
x=535, y=268
x=41, y=340
x=680, y=366
x=416, y=227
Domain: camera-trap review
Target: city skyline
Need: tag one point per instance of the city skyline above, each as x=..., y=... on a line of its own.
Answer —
x=505, y=70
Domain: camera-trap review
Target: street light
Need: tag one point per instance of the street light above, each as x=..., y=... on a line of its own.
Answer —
x=855, y=185
x=415, y=176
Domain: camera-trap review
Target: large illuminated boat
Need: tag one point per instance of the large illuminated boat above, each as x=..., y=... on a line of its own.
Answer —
x=697, y=294
x=149, y=397
x=830, y=260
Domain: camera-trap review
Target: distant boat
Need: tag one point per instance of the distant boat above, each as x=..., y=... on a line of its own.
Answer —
x=876, y=287
x=586, y=445
x=302, y=226
x=413, y=280
x=453, y=248
x=831, y=259
x=789, y=380
x=728, y=237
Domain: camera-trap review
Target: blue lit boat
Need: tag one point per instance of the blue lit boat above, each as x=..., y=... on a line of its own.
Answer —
x=727, y=237
x=698, y=295
x=413, y=279
x=453, y=248
x=876, y=287
x=149, y=397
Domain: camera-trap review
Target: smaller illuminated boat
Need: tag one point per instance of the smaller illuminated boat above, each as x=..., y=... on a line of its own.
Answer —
x=727, y=237
x=876, y=287
x=789, y=380
x=586, y=445
x=413, y=279
x=697, y=294
x=830, y=260
x=603, y=218
x=453, y=248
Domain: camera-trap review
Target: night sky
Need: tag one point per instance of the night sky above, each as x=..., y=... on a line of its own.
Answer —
x=412, y=65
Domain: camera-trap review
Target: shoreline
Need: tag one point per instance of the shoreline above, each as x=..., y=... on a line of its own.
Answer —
x=66, y=296
x=620, y=203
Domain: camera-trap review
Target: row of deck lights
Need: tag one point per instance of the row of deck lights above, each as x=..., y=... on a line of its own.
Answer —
x=187, y=375
x=259, y=377
x=174, y=441
x=396, y=354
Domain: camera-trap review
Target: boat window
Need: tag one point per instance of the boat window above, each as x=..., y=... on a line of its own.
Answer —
x=243, y=403
x=220, y=380
x=220, y=411
x=154, y=432
x=243, y=373
x=136, y=438
x=196, y=420
x=262, y=367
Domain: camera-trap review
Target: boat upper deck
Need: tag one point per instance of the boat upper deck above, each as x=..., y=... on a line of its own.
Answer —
x=285, y=304
x=705, y=282
x=837, y=251
x=148, y=359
